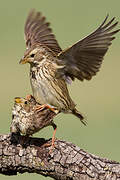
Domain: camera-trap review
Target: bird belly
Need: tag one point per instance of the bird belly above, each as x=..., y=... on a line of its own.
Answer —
x=45, y=93
x=41, y=94
x=47, y=89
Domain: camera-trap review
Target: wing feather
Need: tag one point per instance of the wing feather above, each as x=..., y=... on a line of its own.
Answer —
x=83, y=60
x=37, y=30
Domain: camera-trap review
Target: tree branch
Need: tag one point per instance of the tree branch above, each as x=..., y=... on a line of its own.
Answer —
x=65, y=162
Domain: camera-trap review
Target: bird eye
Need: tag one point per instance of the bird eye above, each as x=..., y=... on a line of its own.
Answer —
x=32, y=55
x=25, y=102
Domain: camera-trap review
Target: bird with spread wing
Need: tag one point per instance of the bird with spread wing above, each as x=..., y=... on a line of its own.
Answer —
x=51, y=68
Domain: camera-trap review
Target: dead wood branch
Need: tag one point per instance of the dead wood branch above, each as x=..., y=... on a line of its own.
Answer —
x=65, y=162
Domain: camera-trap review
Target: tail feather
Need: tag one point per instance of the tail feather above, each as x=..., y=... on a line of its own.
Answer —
x=79, y=115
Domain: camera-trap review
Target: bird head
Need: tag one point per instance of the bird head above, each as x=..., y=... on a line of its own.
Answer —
x=21, y=101
x=25, y=103
x=29, y=56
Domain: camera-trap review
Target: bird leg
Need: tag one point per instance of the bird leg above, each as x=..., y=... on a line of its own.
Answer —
x=53, y=138
x=47, y=106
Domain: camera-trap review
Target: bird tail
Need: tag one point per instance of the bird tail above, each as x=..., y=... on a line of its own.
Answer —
x=79, y=115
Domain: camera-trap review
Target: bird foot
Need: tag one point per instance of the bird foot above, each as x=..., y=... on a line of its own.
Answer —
x=47, y=106
x=51, y=145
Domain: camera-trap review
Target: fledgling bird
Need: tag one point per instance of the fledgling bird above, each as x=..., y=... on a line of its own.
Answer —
x=27, y=121
x=51, y=68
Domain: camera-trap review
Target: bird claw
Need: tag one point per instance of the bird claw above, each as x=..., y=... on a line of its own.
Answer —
x=39, y=107
x=52, y=146
x=47, y=106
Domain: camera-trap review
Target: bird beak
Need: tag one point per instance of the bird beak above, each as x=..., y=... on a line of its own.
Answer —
x=18, y=100
x=23, y=61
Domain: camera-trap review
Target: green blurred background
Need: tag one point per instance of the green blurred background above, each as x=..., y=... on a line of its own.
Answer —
x=98, y=99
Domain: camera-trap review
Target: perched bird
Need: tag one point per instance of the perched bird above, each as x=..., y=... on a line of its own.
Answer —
x=27, y=121
x=51, y=68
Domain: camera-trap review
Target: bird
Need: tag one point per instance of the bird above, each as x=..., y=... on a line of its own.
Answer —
x=26, y=121
x=52, y=69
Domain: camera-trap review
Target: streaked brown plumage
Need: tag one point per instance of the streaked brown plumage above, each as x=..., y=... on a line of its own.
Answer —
x=26, y=120
x=51, y=68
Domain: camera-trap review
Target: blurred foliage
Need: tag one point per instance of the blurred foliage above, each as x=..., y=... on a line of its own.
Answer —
x=98, y=99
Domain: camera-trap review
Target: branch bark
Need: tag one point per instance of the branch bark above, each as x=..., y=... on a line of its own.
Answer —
x=65, y=162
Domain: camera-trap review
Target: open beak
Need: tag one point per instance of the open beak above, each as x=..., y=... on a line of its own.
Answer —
x=23, y=61
x=18, y=100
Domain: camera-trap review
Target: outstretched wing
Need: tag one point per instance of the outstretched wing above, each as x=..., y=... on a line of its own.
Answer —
x=83, y=59
x=37, y=30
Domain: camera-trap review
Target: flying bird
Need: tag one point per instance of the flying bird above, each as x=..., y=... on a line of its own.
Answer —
x=51, y=68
